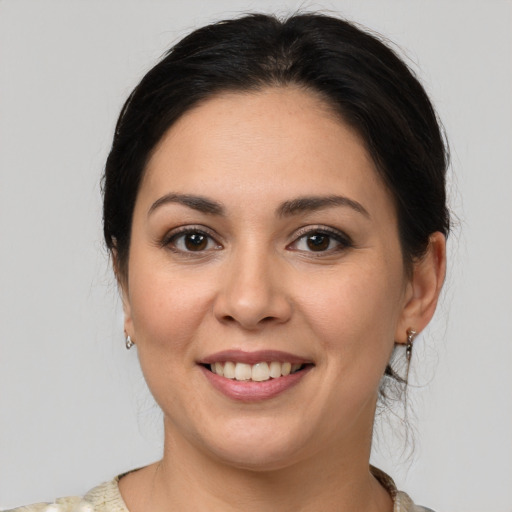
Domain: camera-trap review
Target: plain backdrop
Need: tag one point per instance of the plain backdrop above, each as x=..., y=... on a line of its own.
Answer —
x=73, y=405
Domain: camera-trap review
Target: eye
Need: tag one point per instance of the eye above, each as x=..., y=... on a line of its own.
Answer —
x=190, y=240
x=320, y=240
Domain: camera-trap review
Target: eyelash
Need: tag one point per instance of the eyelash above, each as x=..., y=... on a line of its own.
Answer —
x=343, y=241
x=170, y=239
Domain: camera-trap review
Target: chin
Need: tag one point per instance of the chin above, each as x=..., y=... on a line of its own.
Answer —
x=254, y=458
x=267, y=448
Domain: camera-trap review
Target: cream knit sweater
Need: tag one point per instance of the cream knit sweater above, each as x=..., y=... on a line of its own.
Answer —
x=107, y=498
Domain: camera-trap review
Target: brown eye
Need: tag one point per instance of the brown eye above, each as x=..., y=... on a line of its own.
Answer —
x=191, y=240
x=195, y=241
x=318, y=242
x=321, y=240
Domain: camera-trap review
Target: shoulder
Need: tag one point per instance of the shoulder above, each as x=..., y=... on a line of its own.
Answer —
x=103, y=498
x=403, y=503
x=68, y=504
x=106, y=497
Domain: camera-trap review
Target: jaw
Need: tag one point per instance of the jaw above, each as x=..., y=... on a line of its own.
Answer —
x=267, y=434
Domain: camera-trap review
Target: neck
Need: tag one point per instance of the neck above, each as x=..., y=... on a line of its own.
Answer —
x=192, y=480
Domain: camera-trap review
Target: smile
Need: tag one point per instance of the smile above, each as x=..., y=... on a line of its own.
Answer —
x=254, y=376
x=258, y=372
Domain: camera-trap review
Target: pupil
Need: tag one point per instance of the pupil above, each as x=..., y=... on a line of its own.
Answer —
x=195, y=242
x=318, y=242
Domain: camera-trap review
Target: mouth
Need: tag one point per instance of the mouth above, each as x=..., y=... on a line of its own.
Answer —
x=254, y=376
x=259, y=372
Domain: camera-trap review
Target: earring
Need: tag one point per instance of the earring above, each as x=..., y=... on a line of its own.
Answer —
x=129, y=343
x=411, y=334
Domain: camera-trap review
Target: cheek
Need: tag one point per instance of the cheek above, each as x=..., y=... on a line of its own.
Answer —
x=167, y=307
x=167, y=314
x=166, y=311
x=355, y=313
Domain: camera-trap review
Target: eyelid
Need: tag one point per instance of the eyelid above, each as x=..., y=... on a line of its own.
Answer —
x=174, y=233
x=342, y=238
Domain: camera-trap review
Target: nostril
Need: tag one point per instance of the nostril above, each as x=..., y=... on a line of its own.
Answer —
x=251, y=324
x=250, y=309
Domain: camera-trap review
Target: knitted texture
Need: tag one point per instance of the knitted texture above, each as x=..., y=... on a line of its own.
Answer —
x=107, y=498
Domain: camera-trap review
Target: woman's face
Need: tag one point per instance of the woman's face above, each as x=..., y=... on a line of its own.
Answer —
x=263, y=238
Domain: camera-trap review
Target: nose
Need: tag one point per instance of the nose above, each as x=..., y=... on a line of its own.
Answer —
x=253, y=292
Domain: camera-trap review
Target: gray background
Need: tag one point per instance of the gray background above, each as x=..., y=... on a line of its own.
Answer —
x=74, y=409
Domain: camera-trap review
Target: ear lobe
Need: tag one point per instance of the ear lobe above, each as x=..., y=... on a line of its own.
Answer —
x=424, y=288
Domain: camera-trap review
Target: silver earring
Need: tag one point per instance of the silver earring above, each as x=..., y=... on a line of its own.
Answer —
x=129, y=343
x=411, y=334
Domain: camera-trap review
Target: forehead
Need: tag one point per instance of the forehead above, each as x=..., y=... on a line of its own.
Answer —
x=266, y=142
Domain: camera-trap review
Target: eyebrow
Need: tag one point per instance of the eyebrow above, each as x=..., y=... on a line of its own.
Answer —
x=199, y=203
x=313, y=203
x=286, y=209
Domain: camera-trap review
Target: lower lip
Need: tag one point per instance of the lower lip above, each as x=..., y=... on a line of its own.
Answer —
x=250, y=391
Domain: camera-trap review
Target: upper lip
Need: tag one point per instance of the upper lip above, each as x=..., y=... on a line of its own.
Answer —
x=258, y=356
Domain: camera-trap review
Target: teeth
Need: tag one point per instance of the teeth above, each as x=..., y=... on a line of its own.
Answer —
x=257, y=372
x=260, y=372
x=229, y=370
x=286, y=368
x=275, y=369
x=219, y=369
x=243, y=371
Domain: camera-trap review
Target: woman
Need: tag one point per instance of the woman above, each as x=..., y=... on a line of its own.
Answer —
x=274, y=202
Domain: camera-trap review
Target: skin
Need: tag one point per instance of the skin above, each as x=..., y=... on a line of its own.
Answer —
x=257, y=284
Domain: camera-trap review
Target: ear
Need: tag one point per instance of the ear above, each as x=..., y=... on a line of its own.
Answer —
x=122, y=284
x=424, y=288
x=128, y=323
